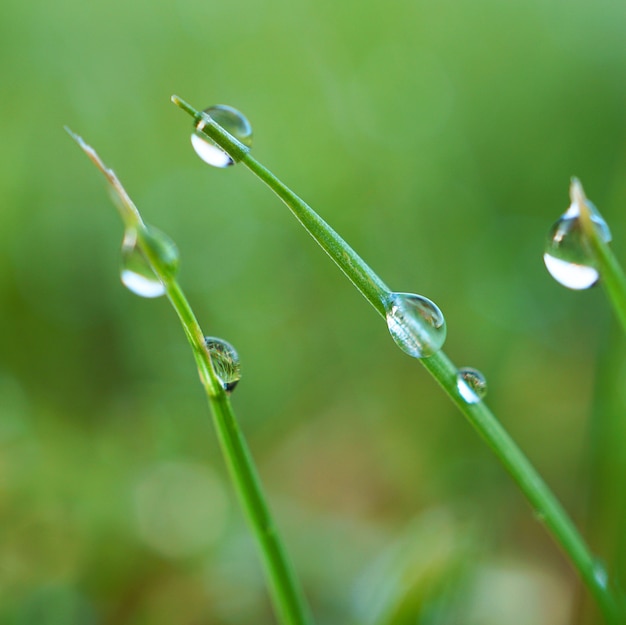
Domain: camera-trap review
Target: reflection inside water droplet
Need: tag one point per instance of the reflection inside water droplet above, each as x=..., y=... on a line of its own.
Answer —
x=233, y=122
x=566, y=255
x=225, y=362
x=471, y=384
x=136, y=274
x=416, y=324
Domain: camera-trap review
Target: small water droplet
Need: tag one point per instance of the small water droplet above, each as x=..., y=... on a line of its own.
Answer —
x=225, y=362
x=233, y=122
x=416, y=324
x=136, y=273
x=471, y=384
x=566, y=256
x=600, y=574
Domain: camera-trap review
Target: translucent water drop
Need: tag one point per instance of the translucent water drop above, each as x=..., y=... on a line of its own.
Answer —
x=416, y=324
x=163, y=250
x=233, y=122
x=600, y=574
x=471, y=384
x=225, y=361
x=136, y=273
x=566, y=255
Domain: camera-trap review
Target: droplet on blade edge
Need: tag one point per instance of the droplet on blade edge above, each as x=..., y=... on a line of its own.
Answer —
x=233, y=122
x=416, y=324
x=225, y=361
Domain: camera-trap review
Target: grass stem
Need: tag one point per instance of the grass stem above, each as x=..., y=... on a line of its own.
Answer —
x=540, y=497
x=287, y=596
x=610, y=270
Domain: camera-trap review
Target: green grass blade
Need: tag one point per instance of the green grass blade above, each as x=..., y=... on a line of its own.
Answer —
x=611, y=273
x=540, y=497
x=287, y=596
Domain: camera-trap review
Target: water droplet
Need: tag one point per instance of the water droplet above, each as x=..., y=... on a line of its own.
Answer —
x=136, y=273
x=566, y=255
x=471, y=384
x=163, y=249
x=416, y=324
x=600, y=574
x=233, y=122
x=225, y=361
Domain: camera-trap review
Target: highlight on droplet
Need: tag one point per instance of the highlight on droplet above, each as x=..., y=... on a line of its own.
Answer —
x=416, y=324
x=566, y=254
x=233, y=122
x=136, y=272
x=471, y=384
x=225, y=360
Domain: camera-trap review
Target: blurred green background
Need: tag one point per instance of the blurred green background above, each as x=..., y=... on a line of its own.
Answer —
x=439, y=139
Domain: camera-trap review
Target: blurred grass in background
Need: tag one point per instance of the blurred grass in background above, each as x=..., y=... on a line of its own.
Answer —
x=439, y=140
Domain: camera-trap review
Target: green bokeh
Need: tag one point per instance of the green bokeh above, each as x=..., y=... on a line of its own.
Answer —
x=439, y=139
